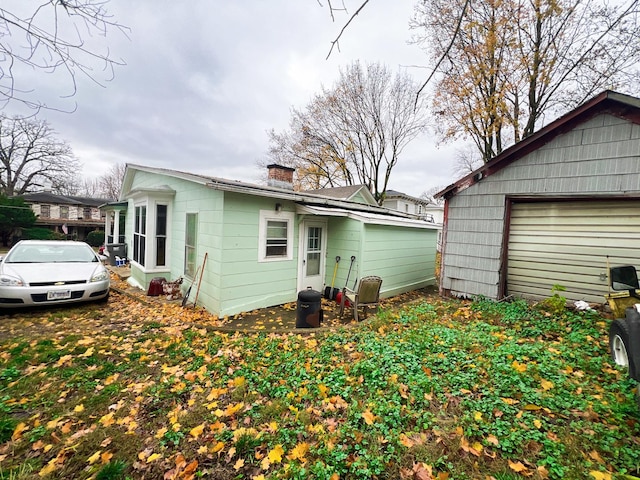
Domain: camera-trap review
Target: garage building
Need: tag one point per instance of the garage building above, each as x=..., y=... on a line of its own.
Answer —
x=557, y=208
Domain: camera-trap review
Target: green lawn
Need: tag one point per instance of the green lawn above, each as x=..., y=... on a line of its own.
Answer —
x=443, y=390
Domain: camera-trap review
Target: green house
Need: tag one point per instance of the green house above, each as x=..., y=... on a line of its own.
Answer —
x=263, y=243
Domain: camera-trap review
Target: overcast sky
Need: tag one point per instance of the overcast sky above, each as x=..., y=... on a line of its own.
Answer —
x=205, y=81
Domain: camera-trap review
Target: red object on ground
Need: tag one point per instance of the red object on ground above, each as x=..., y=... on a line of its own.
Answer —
x=347, y=303
x=155, y=286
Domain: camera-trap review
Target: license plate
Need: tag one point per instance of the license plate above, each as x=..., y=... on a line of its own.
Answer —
x=58, y=295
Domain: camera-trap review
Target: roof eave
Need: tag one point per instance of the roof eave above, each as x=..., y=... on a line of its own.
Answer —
x=629, y=107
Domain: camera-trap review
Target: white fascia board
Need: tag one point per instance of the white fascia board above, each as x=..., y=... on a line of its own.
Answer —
x=366, y=217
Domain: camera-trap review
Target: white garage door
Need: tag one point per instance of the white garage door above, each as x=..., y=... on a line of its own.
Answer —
x=567, y=243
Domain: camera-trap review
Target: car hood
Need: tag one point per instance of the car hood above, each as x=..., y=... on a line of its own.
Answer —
x=50, y=272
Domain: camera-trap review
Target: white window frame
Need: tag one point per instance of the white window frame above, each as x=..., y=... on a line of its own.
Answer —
x=187, y=273
x=265, y=217
x=137, y=234
x=156, y=236
x=151, y=201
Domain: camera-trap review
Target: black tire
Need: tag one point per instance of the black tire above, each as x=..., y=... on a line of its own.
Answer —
x=620, y=345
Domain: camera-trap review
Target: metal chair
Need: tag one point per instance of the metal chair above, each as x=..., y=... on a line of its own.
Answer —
x=367, y=295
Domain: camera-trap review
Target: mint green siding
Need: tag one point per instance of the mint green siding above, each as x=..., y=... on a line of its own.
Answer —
x=248, y=283
x=403, y=257
x=235, y=278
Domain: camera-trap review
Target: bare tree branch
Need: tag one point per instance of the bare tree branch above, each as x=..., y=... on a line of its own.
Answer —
x=54, y=36
x=446, y=50
x=335, y=42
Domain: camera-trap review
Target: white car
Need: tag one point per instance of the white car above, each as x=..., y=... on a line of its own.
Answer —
x=49, y=272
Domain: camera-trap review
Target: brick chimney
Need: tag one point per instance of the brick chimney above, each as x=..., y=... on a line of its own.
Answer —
x=280, y=176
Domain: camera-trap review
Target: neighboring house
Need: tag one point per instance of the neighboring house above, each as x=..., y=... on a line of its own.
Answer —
x=264, y=244
x=554, y=209
x=72, y=216
x=413, y=205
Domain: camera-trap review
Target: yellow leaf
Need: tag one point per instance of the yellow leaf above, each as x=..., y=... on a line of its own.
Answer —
x=153, y=457
x=88, y=352
x=107, y=420
x=203, y=449
x=52, y=424
x=217, y=447
x=324, y=390
x=94, y=458
x=106, y=457
x=79, y=408
x=239, y=464
x=48, y=468
x=477, y=416
x=17, y=432
x=594, y=455
x=600, y=475
x=510, y=401
x=537, y=423
x=546, y=384
x=197, y=431
x=258, y=477
x=517, y=466
x=160, y=433
x=299, y=451
x=275, y=454
x=477, y=446
x=406, y=441
x=519, y=367
x=238, y=381
x=369, y=417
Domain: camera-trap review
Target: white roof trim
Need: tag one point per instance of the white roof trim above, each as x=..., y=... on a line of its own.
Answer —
x=366, y=217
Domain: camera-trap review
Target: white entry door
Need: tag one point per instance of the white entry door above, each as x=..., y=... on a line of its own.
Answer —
x=313, y=235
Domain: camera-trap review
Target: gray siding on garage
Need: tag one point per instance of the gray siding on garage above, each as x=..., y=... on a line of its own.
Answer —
x=600, y=157
x=570, y=244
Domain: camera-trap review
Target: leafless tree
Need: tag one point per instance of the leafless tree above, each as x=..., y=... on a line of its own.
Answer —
x=111, y=182
x=467, y=159
x=89, y=187
x=429, y=195
x=54, y=37
x=32, y=158
x=352, y=133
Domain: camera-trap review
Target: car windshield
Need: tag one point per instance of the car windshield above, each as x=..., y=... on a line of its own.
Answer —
x=51, y=254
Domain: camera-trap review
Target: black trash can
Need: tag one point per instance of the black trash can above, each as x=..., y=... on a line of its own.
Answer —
x=116, y=250
x=309, y=313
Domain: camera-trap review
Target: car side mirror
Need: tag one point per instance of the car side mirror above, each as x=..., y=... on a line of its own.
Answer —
x=624, y=278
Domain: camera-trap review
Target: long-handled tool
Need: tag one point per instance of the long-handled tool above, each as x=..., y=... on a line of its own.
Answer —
x=185, y=299
x=330, y=292
x=199, y=271
x=340, y=297
x=204, y=262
